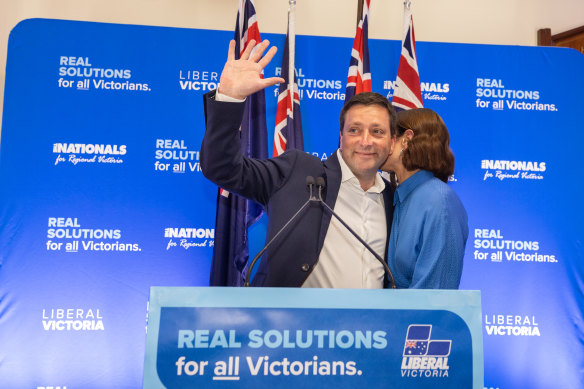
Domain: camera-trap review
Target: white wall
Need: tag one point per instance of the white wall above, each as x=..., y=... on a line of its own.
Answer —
x=500, y=22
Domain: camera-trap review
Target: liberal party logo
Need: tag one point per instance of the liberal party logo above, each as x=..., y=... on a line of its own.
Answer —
x=423, y=357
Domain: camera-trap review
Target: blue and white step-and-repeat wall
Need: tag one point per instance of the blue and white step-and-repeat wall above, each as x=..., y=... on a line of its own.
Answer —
x=102, y=194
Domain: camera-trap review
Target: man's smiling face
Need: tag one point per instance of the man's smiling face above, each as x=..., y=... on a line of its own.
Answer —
x=365, y=141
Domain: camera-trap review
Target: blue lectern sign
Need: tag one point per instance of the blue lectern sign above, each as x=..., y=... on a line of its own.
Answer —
x=290, y=338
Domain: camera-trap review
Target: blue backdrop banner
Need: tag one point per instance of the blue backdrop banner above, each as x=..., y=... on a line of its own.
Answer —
x=102, y=197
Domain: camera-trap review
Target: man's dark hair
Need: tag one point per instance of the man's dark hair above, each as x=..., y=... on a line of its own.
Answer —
x=370, y=98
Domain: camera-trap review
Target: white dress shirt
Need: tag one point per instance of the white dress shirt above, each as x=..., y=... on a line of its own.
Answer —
x=344, y=262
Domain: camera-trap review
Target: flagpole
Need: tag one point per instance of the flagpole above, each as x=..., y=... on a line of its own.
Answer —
x=359, y=11
x=407, y=20
x=291, y=50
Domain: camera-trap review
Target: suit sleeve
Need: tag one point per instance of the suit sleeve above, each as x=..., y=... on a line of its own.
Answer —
x=223, y=163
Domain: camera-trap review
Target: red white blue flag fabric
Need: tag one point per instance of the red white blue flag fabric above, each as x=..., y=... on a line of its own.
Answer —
x=288, y=132
x=234, y=213
x=359, y=78
x=408, y=93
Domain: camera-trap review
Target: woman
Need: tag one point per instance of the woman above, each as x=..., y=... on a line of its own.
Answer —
x=429, y=229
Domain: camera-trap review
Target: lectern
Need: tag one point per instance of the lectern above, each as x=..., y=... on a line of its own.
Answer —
x=313, y=338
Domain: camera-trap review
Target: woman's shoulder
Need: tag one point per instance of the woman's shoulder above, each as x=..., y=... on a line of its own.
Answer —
x=438, y=202
x=435, y=192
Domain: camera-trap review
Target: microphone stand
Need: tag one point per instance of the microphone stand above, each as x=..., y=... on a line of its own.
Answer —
x=312, y=198
x=320, y=183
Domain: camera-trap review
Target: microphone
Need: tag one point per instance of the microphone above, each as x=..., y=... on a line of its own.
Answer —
x=320, y=184
x=312, y=198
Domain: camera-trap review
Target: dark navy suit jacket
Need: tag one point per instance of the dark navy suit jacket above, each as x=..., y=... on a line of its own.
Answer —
x=279, y=184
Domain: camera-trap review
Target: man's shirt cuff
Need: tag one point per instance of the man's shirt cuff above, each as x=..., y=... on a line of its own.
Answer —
x=226, y=99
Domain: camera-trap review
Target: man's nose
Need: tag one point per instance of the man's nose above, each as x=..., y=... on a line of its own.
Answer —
x=365, y=138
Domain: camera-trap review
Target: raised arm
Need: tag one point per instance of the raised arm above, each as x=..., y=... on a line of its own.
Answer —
x=222, y=160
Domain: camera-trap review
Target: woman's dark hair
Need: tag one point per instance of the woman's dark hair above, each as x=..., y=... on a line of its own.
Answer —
x=429, y=149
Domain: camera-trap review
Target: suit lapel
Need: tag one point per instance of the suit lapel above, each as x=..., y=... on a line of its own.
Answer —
x=388, y=205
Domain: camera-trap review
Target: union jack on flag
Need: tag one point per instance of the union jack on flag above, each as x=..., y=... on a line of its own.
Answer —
x=419, y=348
x=288, y=132
x=234, y=213
x=246, y=27
x=407, y=93
x=359, y=78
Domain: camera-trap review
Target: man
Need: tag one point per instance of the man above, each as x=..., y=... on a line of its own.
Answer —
x=314, y=251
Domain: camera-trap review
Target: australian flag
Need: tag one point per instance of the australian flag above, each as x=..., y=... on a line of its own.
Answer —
x=288, y=132
x=407, y=93
x=234, y=213
x=418, y=342
x=359, y=78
